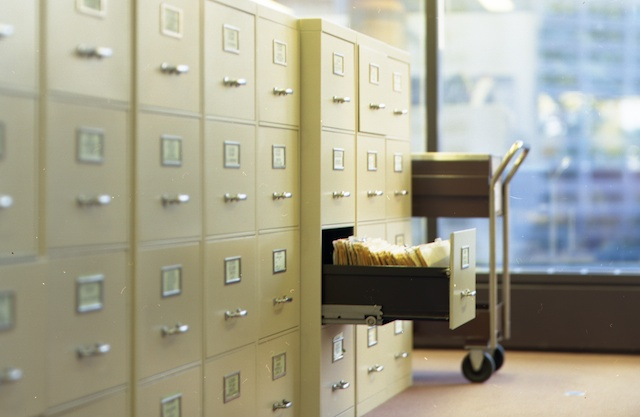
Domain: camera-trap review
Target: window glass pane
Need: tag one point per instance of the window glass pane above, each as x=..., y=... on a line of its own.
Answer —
x=564, y=77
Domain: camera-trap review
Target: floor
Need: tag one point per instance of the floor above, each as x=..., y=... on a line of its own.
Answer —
x=528, y=384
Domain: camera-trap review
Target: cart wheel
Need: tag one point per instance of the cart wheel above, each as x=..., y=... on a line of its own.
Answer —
x=487, y=367
x=498, y=356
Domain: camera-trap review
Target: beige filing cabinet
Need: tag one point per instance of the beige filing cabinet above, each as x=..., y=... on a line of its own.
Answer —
x=23, y=340
x=229, y=59
x=87, y=326
x=355, y=107
x=19, y=45
x=93, y=59
x=18, y=177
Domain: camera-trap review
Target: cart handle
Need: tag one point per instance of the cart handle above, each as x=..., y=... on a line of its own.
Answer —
x=515, y=148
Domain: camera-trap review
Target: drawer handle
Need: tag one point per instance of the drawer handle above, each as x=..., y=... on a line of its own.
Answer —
x=6, y=30
x=282, y=404
x=282, y=91
x=402, y=355
x=400, y=112
x=238, y=197
x=10, y=375
x=6, y=201
x=283, y=195
x=282, y=300
x=340, y=385
x=234, y=82
x=468, y=293
x=337, y=99
x=376, y=193
x=375, y=368
x=341, y=194
x=174, y=69
x=179, y=328
x=175, y=199
x=401, y=193
x=97, y=349
x=98, y=200
x=235, y=314
x=379, y=106
x=88, y=51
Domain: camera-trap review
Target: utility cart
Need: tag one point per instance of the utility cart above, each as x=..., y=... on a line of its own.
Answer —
x=473, y=185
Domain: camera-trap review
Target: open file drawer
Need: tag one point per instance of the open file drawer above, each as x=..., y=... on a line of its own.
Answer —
x=380, y=294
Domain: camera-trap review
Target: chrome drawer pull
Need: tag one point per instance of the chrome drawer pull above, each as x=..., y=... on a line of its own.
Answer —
x=401, y=193
x=375, y=368
x=283, y=195
x=282, y=404
x=174, y=69
x=6, y=201
x=337, y=99
x=376, y=193
x=340, y=385
x=238, y=197
x=231, y=82
x=402, y=355
x=282, y=300
x=6, y=30
x=467, y=293
x=179, y=328
x=235, y=314
x=98, y=200
x=88, y=51
x=341, y=194
x=400, y=112
x=374, y=106
x=10, y=375
x=175, y=199
x=93, y=350
x=282, y=91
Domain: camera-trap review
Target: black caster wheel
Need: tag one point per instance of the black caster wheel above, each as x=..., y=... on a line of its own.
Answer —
x=487, y=367
x=498, y=356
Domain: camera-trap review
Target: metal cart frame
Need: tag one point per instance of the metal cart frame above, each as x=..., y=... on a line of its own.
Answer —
x=483, y=360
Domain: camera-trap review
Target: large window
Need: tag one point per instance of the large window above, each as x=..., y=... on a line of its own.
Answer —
x=563, y=76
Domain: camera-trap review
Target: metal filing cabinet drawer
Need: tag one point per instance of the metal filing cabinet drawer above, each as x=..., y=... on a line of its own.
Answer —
x=94, y=57
x=230, y=178
x=400, y=348
x=373, y=365
x=279, y=281
x=178, y=395
x=338, y=171
x=88, y=347
x=22, y=324
x=18, y=44
x=374, y=86
x=229, y=60
x=338, y=360
x=371, y=230
x=400, y=232
x=278, y=179
x=169, y=178
x=87, y=175
x=168, y=312
x=230, y=384
x=371, y=161
x=279, y=376
x=168, y=54
x=278, y=62
x=18, y=187
x=112, y=405
x=231, y=311
x=399, y=99
x=338, y=93
x=398, y=179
